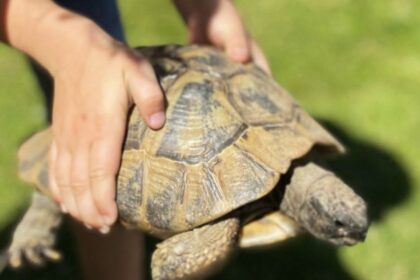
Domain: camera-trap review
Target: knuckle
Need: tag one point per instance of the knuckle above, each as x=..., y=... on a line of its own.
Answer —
x=98, y=174
x=147, y=86
x=129, y=58
x=62, y=180
x=79, y=187
x=79, y=183
x=155, y=97
x=127, y=54
x=64, y=185
x=150, y=106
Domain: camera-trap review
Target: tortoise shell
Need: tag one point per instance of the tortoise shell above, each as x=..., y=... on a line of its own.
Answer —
x=231, y=131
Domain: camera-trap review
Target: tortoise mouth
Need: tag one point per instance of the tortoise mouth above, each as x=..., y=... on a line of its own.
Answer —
x=349, y=238
x=344, y=241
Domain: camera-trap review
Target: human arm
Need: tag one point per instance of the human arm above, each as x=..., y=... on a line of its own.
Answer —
x=96, y=80
x=217, y=22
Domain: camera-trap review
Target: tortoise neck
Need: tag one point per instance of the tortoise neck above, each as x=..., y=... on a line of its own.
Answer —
x=291, y=203
x=295, y=194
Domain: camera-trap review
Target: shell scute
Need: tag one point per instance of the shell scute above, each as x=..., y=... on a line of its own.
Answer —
x=241, y=176
x=260, y=102
x=200, y=125
x=275, y=146
x=203, y=197
x=162, y=183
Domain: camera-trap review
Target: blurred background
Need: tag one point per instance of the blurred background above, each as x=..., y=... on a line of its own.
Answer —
x=353, y=64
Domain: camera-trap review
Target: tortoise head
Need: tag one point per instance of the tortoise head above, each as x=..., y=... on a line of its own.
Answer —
x=334, y=212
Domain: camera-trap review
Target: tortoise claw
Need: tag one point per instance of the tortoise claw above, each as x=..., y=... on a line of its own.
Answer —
x=35, y=236
x=52, y=255
x=34, y=254
x=15, y=259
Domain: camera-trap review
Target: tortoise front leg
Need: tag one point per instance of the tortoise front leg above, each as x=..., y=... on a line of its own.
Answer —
x=193, y=254
x=268, y=230
x=35, y=235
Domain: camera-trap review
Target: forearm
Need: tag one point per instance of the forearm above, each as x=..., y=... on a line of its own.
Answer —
x=47, y=32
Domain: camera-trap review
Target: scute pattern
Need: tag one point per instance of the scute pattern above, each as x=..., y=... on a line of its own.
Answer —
x=275, y=146
x=200, y=126
x=208, y=60
x=162, y=183
x=250, y=180
x=135, y=131
x=203, y=196
x=130, y=187
x=230, y=134
x=259, y=102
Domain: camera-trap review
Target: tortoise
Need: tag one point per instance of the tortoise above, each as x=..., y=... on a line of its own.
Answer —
x=236, y=165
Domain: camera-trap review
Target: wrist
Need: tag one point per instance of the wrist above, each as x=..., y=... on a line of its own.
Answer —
x=50, y=34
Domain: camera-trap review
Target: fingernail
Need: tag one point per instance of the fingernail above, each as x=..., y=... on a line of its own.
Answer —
x=156, y=120
x=88, y=226
x=63, y=209
x=104, y=229
x=239, y=54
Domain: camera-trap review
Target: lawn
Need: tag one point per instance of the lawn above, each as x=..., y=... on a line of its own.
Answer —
x=354, y=65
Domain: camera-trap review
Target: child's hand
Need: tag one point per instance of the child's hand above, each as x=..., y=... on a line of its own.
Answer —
x=217, y=22
x=96, y=80
x=93, y=93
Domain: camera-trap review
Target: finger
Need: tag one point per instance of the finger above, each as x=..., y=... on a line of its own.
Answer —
x=62, y=177
x=259, y=58
x=52, y=157
x=233, y=35
x=237, y=45
x=80, y=185
x=144, y=88
x=234, y=40
x=105, y=157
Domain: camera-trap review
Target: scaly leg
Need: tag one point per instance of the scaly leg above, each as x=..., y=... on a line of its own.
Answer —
x=35, y=235
x=193, y=254
x=269, y=230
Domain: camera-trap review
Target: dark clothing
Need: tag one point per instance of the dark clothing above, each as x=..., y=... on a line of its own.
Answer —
x=103, y=12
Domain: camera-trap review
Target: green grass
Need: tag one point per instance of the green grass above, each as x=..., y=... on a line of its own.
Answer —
x=353, y=64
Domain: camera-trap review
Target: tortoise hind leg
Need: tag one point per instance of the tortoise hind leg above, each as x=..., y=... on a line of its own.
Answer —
x=35, y=235
x=195, y=253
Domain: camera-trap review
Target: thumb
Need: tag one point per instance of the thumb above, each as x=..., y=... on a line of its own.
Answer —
x=146, y=93
x=237, y=47
x=229, y=32
x=235, y=42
